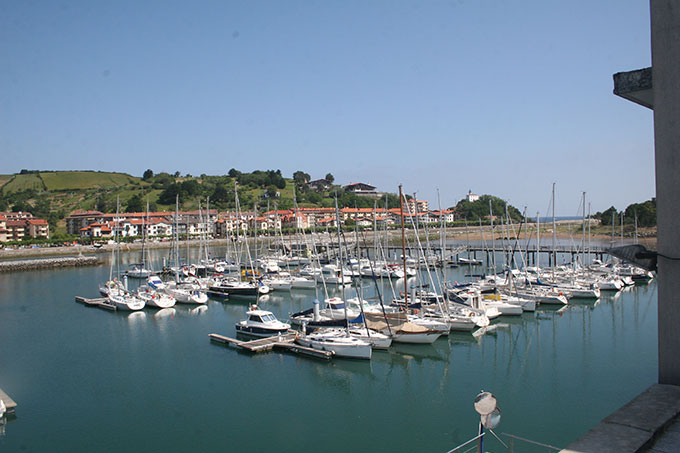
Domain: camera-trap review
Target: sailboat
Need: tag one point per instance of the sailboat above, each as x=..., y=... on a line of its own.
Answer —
x=338, y=341
x=184, y=292
x=118, y=295
x=139, y=270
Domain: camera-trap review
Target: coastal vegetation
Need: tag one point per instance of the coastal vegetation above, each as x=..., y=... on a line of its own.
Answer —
x=644, y=213
x=52, y=195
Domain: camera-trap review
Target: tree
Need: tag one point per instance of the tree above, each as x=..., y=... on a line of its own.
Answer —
x=329, y=178
x=234, y=173
x=135, y=204
x=21, y=205
x=605, y=217
x=479, y=209
x=271, y=192
x=645, y=213
x=190, y=187
x=148, y=174
x=300, y=177
x=222, y=194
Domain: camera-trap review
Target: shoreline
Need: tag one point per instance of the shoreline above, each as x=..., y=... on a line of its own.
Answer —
x=458, y=235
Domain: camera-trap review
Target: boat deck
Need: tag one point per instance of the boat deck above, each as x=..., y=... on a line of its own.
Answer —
x=282, y=342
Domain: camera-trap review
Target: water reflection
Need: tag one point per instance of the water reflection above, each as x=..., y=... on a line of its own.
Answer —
x=165, y=313
x=136, y=318
x=201, y=309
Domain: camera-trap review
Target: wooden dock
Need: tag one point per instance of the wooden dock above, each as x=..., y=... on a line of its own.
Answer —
x=282, y=342
x=10, y=405
x=99, y=302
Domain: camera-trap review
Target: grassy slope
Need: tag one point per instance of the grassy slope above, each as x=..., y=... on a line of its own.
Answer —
x=71, y=190
x=75, y=180
x=4, y=179
x=23, y=182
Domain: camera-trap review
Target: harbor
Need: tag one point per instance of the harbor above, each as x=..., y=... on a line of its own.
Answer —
x=566, y=355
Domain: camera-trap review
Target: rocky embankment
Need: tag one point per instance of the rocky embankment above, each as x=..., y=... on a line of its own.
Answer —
x=47, y=263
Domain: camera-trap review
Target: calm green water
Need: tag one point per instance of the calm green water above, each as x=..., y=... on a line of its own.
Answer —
x=91, y=380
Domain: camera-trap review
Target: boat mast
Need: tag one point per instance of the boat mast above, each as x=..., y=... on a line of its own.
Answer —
x=554, y=227
x=589, y=247
x=342, y=274
x=177, y=238
x=537, y=262
x=116, y=235
x=493, y=239
x=583, y=234
x=403, y=246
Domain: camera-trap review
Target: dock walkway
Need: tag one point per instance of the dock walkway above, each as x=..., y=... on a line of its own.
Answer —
x=10, y=405
x=281, y=342
x=99, y=302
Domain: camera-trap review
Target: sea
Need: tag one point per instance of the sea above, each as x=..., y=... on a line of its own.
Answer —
x=90, y=380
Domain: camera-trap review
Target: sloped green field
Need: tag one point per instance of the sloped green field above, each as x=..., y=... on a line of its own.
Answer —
x=23, y=182
x=74, y=180
x=4, y=179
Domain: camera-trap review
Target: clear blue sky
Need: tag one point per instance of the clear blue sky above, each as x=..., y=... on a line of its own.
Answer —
x=498, y=96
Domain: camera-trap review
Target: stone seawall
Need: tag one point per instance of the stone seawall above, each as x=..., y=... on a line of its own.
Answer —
x=48, y=263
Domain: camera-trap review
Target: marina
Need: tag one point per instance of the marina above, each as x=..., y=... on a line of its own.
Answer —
x=564, y=354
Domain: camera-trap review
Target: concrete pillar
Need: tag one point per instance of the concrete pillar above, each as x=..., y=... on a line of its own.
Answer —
x=665, y=19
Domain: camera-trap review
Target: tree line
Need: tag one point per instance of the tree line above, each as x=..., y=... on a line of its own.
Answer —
x=645, y=213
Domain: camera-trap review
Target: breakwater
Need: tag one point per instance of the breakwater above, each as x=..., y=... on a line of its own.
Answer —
x=47, y=263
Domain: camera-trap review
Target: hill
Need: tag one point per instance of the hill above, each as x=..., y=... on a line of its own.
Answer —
x=54, y=194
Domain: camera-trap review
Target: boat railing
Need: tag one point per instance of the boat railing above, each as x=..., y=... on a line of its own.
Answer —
x=513, y=438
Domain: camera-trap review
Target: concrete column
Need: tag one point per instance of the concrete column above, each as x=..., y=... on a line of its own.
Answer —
x=665, y=20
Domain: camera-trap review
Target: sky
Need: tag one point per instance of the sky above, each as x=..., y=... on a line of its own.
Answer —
x=501, y=97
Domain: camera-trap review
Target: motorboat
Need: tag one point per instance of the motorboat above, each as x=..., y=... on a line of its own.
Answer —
x=261, y=323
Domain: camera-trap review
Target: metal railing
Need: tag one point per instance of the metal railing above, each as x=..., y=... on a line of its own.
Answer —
x=511, y=447
x=466, y=443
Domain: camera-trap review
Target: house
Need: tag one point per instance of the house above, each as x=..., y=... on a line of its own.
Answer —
x=14, y=226
x=448, y=214
x=362, y=189
x=77, y=220
x=327, y=222
x=3, y=228
x=16, y=230
x=319, y=184
x=38, y=228
x=471, y=197
x=96, y=230
x=421, y=205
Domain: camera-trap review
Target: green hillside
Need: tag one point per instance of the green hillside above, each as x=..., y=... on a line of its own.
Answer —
x=79, y=180
x=4, y=179
x=23, y=182
x=54, y=194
